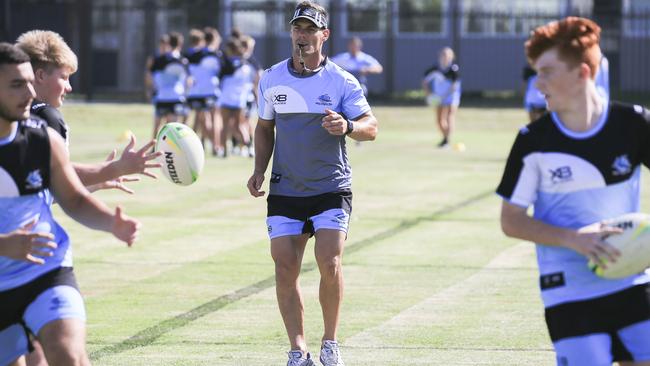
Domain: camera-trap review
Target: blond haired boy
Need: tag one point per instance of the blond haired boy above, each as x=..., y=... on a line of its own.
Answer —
x=54, y=62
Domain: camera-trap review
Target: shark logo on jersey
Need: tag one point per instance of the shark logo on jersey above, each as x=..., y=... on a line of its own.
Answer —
x=341, y=218
x=621, y=165
x=561, y=174
x=324, y=100
x=58, y=303
x=34, y=180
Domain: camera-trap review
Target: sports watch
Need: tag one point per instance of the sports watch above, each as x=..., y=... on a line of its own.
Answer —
x=350, y=127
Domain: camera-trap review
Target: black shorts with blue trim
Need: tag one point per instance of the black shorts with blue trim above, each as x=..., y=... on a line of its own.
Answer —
x=202, y=103
x=178, y=108
x=603, y=315
x=305, y=215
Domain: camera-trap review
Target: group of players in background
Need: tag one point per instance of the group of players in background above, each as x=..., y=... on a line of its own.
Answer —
x=218, y=86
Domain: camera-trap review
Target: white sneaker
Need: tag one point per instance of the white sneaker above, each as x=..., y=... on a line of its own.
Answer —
x=330, y=355
x=296, y=359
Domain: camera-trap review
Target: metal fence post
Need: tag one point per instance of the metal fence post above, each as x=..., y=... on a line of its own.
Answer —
x=85, y=16
x=392, y=14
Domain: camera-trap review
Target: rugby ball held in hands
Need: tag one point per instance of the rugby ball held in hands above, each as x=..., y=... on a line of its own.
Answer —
x=633, y=243
x=183, y=157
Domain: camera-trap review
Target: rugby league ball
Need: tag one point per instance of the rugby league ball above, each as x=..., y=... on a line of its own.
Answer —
x=633, y=243
x=183, y=157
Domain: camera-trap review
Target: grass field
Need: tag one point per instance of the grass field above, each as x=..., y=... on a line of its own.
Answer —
x=430, y=278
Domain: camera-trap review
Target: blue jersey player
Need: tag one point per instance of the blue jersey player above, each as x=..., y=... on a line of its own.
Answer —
x=578, y=165
x=169, y=74
x=204, y=66
x=38, y=290
x=358, y=63
x=442, y=84
x=238, y=80
x=307, y=107
x=534, y=100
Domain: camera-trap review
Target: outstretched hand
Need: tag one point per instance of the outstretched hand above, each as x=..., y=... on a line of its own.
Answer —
x=23, y=244
x=138, y=161
x=124, y=227
x=117, y=183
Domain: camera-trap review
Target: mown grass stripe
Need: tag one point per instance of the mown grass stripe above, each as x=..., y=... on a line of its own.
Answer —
x=149, y=335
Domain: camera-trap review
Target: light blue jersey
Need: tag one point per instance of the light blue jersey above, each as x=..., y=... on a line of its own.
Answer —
x=236, y=83
x=533, y=99
x=354, y=64
x=576, y=179
x=445, y=83
x=204, y=67
x=307, y=160
x=602, y=77
x=24, y=197
x=15, y=212
x=169, y=73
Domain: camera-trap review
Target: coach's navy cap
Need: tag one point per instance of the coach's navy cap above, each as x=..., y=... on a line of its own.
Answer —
x=310, y=14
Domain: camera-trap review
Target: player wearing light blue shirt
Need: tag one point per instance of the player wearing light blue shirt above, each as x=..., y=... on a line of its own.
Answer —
x=576, y=166
x=237, y=85
x=204, y=66
x=534, y=100
x=38, y=292
x=602, y=77
x=442, y=86
x=169, y=74
x=358, y=63
x=238, y=80
x=307, y=106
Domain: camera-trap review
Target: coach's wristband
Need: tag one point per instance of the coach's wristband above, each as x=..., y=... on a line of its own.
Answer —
x=350, y=128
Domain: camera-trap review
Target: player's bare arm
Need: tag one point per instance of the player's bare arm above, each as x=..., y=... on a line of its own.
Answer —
x=77, y=201
x=117, y=183
x=264, y=142
x=364, y=128
x=374, y=69
x=516, y=223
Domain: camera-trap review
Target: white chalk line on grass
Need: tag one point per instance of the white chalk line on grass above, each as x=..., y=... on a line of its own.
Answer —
x=437, y=308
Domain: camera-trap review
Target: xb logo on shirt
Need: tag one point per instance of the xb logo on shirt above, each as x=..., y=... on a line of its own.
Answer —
x=279, y=99
x=34, y=180
x=561, y=174
x=621, y=165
